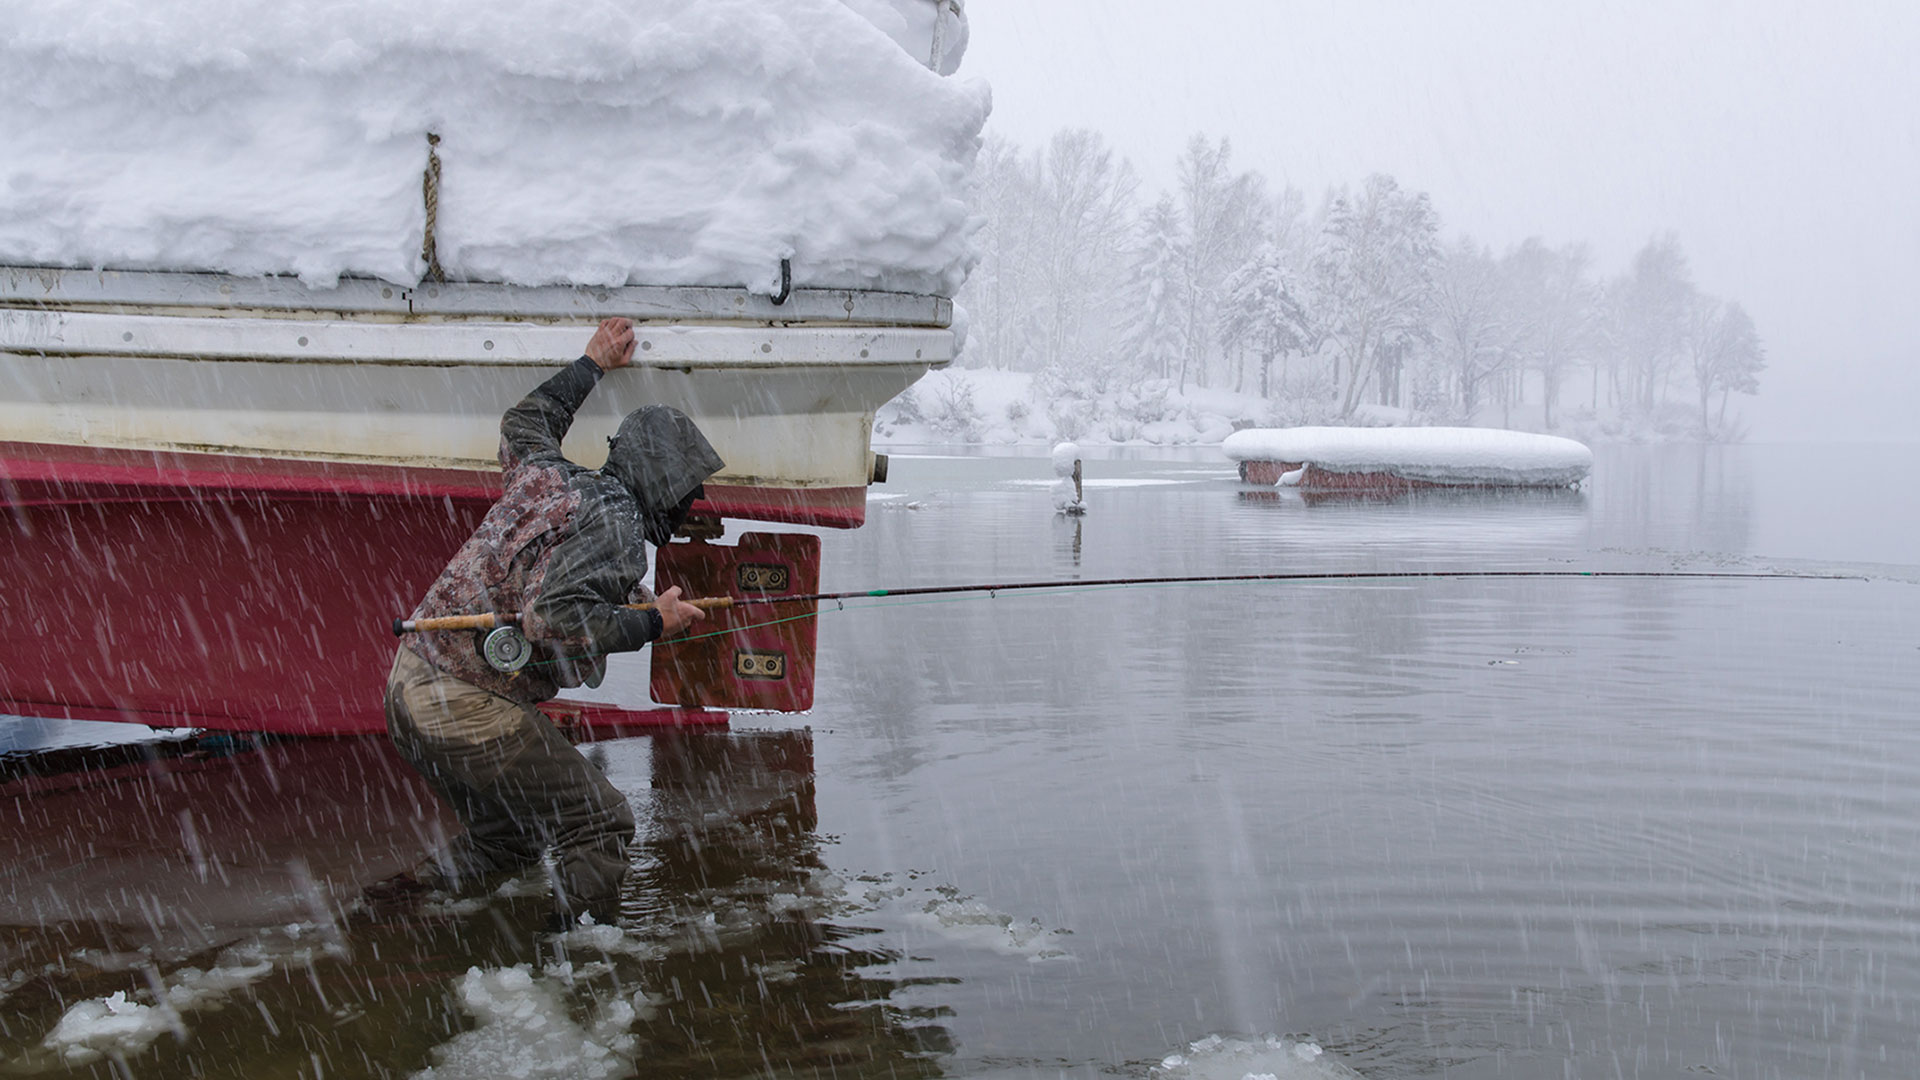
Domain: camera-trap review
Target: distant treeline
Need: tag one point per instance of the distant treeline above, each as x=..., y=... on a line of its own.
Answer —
x=1225, y=282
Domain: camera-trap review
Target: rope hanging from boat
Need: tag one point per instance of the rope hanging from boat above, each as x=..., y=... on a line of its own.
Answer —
x=430, y=194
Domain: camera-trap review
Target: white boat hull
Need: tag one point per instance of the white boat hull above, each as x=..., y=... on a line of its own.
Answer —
x=379, y=376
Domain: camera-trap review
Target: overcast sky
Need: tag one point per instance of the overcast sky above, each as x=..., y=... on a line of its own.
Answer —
x=1780, y=140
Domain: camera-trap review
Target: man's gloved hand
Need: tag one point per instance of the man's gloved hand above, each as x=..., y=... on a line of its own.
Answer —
x=612, y=344
x=675, y=614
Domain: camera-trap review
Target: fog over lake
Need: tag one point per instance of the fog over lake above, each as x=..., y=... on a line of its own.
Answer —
x=1774, y=139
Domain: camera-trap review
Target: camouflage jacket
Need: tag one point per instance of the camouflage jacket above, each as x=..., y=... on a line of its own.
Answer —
x=563, y=547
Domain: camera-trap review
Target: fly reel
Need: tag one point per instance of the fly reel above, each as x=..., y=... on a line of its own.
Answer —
x=506, y=649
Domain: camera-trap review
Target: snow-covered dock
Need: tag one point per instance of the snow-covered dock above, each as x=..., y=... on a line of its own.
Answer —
x=1401, y=459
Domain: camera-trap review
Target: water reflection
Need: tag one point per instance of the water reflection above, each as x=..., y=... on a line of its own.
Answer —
x=215, y=888
x=1680, y=499
x=761, y=979
x=1451, y=522
x=1529, y=828
x=178, y=848
x=1525, y=828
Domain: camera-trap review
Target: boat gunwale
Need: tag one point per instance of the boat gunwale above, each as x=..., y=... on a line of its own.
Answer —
x=195, y=336
x=151, y=291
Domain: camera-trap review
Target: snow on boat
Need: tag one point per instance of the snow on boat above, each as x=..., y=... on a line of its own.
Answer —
x=1329, y=459
x=265, y=293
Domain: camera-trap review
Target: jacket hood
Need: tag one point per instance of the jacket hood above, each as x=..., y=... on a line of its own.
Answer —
x=661, y=457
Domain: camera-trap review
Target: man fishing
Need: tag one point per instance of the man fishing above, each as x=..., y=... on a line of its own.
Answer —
x=564, y=549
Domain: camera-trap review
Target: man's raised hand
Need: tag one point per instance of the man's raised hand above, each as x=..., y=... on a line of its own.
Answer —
x=612, y=344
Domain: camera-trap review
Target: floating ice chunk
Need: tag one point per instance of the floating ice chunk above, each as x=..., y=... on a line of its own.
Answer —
x=607, y=938
x=112, y=1025
x=191, y=988
x=119, y=1025
x=454, y=908
x=532, y=884
x=777, y=971
x=785, y=903
x=967, y=920
x=968, y=912
x=526, y=1032
x=1271, y=1057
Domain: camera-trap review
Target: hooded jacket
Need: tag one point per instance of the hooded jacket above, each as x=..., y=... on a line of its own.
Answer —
x=564, y=545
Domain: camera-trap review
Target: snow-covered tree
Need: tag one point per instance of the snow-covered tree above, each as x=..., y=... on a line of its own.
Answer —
x=1223, y=214
x=1108, y=302
x=1263, y=311
x=1053, y=252
x=1082, y=213
x=1153, y=334
x=1373, y=283
x=1726, y=356
x=1647, y=316
x=1552, y=301
x=998, y=293
x=1290, y=229
x=1472, y=320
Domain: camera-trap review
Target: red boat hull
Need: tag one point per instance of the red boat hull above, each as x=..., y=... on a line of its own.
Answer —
x=1318, y=481
x=39, y=473
x=201, y=590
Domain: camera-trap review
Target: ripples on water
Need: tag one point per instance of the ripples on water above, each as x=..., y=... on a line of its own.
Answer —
x=1476, y=828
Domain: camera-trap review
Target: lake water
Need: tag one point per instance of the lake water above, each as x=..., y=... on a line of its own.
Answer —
x=1477, y=828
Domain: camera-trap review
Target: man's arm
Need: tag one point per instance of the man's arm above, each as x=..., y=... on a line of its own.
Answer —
x=572, y=610
x=535, y=427
x=573, y=606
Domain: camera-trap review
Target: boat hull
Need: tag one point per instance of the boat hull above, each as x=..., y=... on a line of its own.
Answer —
x=216, y=493
x=260, y=611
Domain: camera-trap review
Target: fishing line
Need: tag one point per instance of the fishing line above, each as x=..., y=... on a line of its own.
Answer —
x=1115, y=584
x=505, y=645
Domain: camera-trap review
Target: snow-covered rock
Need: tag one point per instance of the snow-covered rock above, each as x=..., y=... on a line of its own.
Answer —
x=1437, y=455
x=593, y=142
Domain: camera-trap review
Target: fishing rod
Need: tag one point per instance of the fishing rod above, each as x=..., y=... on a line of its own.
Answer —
x=490, y=620
x=493, y=620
